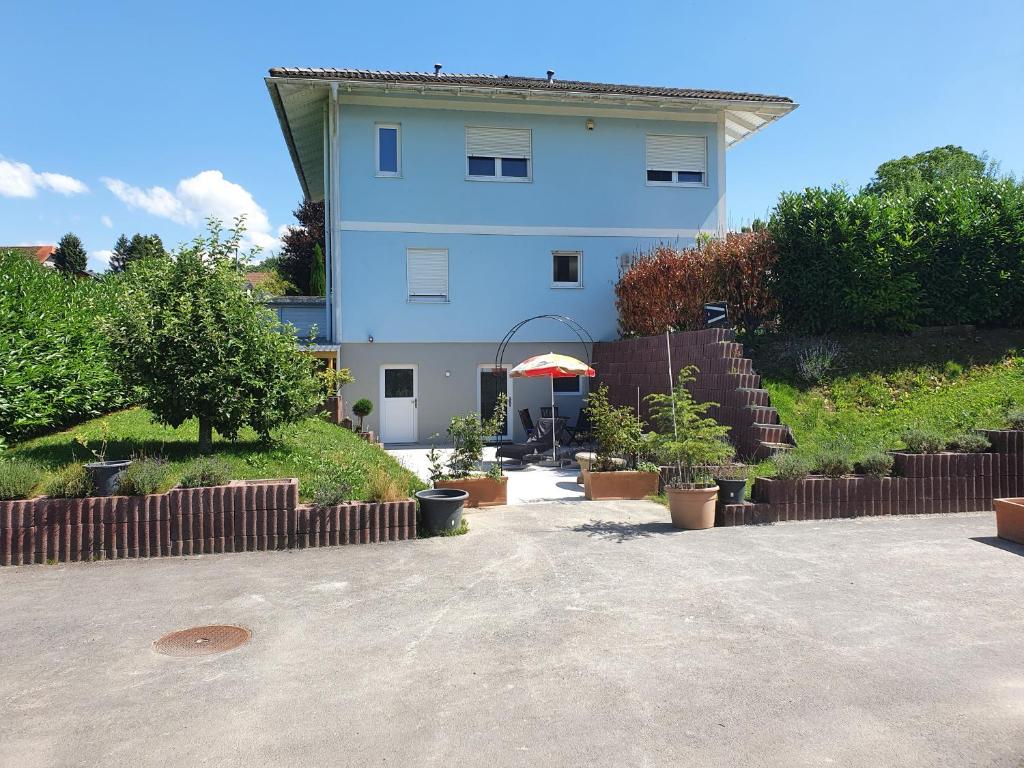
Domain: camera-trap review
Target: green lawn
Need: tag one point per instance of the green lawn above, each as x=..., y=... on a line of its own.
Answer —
x=307, y=450
x=883, y=384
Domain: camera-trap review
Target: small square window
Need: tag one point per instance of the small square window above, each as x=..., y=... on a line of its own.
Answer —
x=481, y=166
x=566, y=269
x=567, y=385
x=389, y=150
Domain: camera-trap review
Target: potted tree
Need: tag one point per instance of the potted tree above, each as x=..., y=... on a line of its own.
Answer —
x=333, y=379
x=105, y=474
x=617, y=433
x=462, y=471
x=362, y=408
x=693, y=443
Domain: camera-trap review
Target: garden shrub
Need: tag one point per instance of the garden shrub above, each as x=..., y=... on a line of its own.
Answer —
x=668, y=287
x=1015, y=418
x=970, y=442
x=142, y=477
x=878, y=464
x=330, y=487
x=790, y=465
x=815, y=358
x=18, y=479
x=205, y=472
x=833, y=460
x=55, y=365
x=924, y=440
x=616, y=430
x=72, y=481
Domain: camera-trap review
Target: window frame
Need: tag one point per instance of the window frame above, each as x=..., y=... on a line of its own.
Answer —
x=579, y=268
x=424, y=298
x=703, y=184
x=398, y=151
x=499, y=160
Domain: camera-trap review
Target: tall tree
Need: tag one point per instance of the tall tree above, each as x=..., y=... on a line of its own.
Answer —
x=934, y=166
x=120, y=256
x=197, y=346
x=318, y=275
x=297, y=245
x=70, y=256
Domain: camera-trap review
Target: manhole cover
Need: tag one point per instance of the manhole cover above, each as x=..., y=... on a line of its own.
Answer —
x=202, y=641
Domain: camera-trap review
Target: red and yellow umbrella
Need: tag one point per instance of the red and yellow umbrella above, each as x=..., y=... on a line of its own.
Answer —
x=557, y=367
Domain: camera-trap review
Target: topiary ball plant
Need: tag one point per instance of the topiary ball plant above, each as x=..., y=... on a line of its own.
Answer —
x=362, y=408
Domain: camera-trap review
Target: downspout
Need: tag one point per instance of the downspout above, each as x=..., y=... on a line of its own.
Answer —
x=333, y=211
x=328, y=239
x=720, y=155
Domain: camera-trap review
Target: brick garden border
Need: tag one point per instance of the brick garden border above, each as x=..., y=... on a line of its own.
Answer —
x=244, y=516
x=924, y=484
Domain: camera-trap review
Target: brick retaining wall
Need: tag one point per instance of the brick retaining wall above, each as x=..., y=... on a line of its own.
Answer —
x=244, y=516
x=725, y=377
x=925, y=484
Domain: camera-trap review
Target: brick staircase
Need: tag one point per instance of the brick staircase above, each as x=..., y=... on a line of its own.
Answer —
x=726, y=377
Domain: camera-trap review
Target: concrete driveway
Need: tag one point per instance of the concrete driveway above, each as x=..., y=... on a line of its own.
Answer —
x=562, y=634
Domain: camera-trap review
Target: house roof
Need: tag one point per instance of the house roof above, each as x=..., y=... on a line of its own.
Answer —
x=41, y=253
x=519, y=82
x=299, y=95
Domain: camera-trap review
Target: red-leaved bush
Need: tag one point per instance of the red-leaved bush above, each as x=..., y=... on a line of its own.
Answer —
x=668, y=288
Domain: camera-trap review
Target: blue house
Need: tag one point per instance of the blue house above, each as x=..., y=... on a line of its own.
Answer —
x=459, y=205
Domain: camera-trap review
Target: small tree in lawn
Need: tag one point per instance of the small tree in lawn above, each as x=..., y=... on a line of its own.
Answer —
x=70, y=256
x=687, y=437
x=197, y=346
x=362, y=408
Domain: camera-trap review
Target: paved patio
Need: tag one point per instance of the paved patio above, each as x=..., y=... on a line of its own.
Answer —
x=529, y=484
x=566, y=633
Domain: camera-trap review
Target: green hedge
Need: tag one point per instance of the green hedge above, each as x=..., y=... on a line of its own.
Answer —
x=53, y=358
x=946, y=253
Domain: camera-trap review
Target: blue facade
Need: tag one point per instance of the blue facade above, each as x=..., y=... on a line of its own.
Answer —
x=588, y=193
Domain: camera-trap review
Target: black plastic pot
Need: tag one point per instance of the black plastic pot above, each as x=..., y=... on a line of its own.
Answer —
x=106, y=475
x=730, y=491
x=441, y=508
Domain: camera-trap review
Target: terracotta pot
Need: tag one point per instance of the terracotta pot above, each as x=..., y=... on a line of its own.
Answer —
x=483, y=491
x=1010, y=519
x=692, y=508
x=619, y=485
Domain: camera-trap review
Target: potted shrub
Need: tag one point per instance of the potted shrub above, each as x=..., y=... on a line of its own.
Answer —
x=731, y=480
x=462, y=470
x=103, y=473
x=693, y=443
x=362, y=408
x=617, y=434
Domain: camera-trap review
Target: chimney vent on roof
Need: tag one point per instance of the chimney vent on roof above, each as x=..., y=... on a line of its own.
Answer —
x=437, y=69
x=551, y=75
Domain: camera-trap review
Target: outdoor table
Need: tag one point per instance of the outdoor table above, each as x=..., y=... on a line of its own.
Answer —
x=560, y=421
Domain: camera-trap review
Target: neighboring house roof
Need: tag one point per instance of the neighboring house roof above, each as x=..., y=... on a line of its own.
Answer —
x=256, y=279
x=43, y=254
x=299, y=93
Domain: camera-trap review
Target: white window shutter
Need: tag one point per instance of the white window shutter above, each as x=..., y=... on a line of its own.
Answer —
x=677, y=153
x=498, y=142
x=427, y=272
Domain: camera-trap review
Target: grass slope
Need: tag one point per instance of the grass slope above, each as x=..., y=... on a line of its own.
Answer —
x=311, y=448
x=882, y=384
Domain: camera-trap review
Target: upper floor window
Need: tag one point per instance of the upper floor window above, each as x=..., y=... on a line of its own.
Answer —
x=677, y=160
x=389, y=149
x=499, y=154
x=427, y=274
x=567, y=269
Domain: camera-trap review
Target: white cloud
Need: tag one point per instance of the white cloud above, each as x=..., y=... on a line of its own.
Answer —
x=106, y=222
x=20, y=180
x=99, y=261
x=194, y=199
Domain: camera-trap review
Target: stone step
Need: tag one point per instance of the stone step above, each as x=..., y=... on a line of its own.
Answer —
x=772, y=433
x=767, y=450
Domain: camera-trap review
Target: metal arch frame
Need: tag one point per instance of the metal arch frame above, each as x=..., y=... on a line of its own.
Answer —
x=499, y=356
x=573, y=325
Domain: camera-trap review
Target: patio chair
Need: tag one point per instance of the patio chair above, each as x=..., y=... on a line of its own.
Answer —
x=527, y=421
x=545, y=411
x=580, y=431
x=538, y=442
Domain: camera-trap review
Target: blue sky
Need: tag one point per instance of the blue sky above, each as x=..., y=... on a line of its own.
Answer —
x=125, y=117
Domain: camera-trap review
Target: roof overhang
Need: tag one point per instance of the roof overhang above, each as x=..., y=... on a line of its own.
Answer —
x=301, y=104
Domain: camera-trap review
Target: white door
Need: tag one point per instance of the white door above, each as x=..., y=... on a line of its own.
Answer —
x=398, y=404
x=488, y=387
